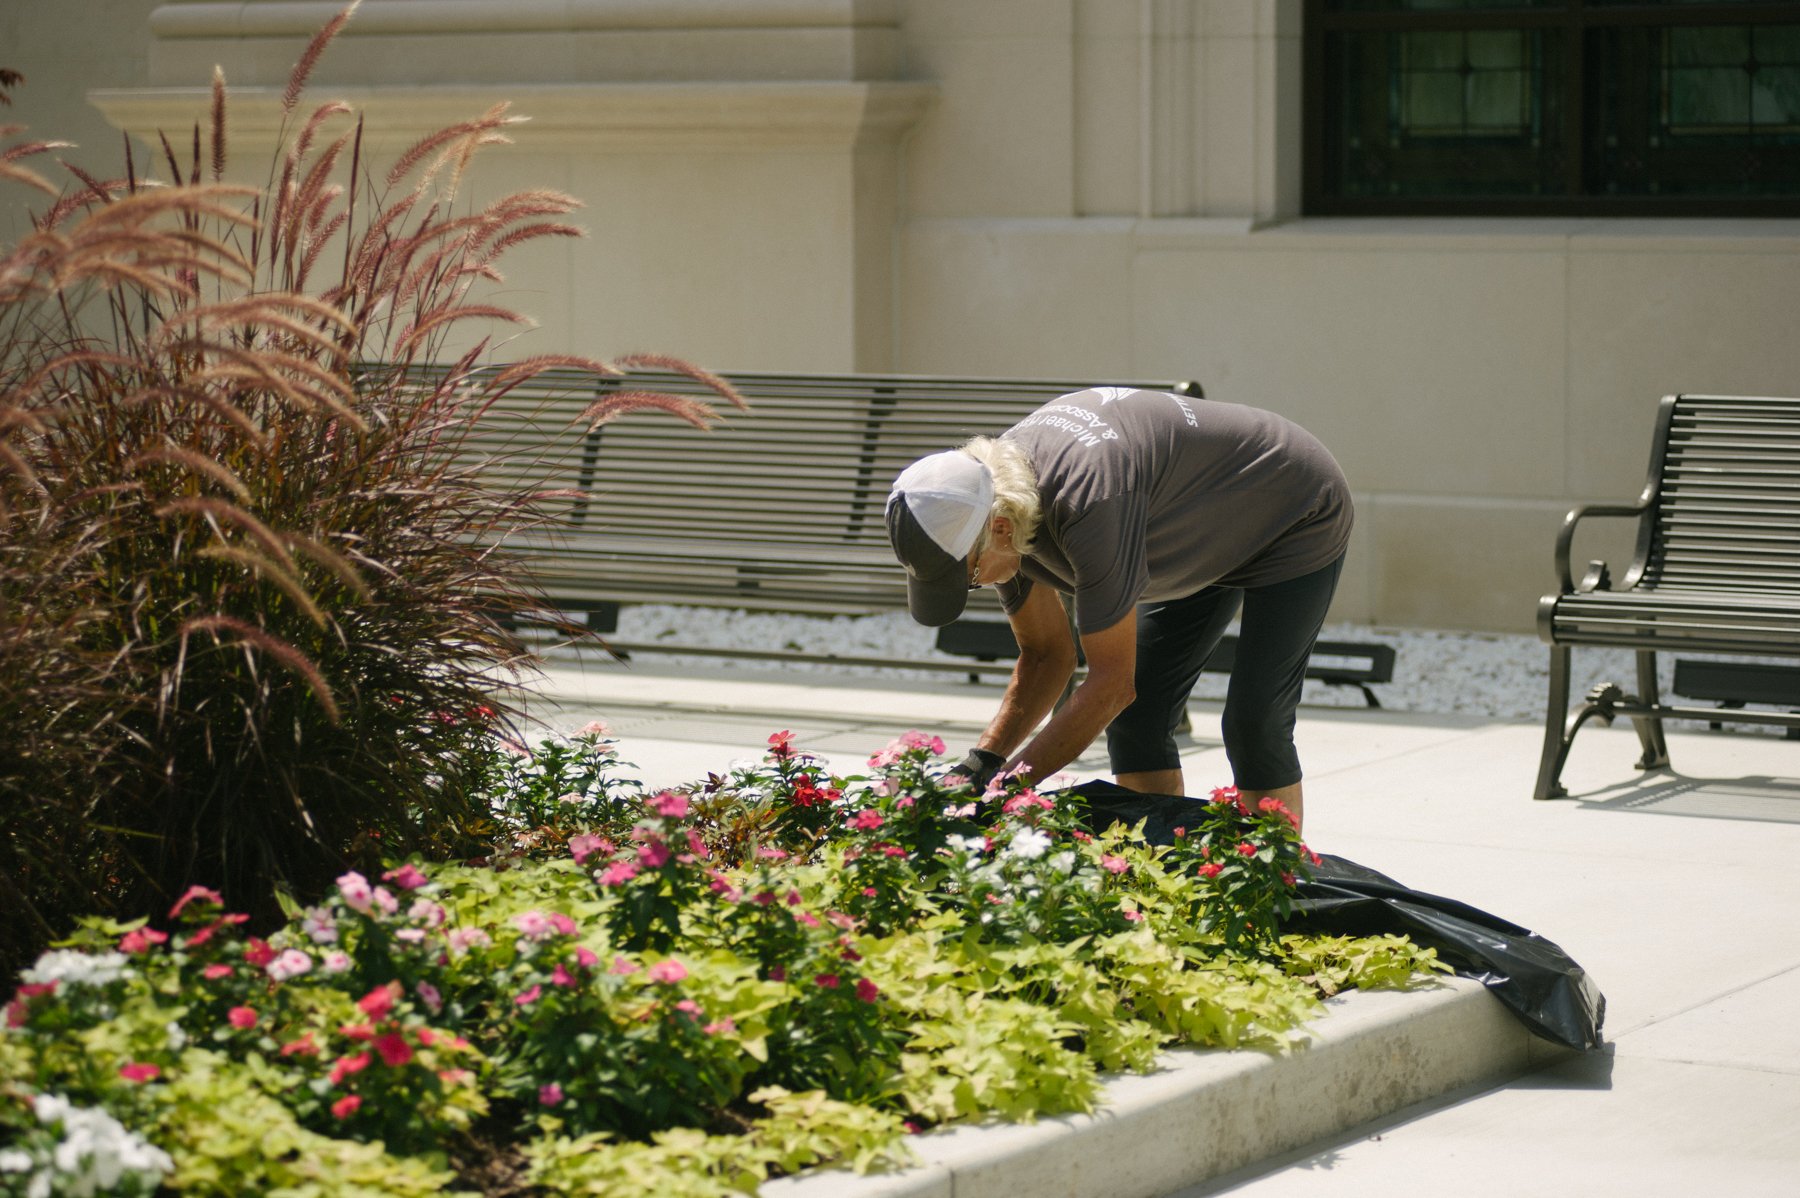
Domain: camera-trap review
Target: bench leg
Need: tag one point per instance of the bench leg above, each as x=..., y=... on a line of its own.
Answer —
x=1649, y=727
x=1557, y=734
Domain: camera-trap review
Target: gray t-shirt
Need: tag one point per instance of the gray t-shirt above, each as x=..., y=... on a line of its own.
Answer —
x=1149, y=496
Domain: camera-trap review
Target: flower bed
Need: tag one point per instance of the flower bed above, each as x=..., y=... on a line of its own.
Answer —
x=681, y=992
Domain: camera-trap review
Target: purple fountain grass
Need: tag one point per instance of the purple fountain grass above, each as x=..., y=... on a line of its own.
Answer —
x=251, y=583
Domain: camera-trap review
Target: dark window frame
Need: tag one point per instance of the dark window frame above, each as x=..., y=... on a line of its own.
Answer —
x=1576, y=18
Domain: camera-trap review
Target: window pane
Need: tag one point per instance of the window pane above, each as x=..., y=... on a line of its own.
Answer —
x=1696, y=111
x=1465, y=113
x=1438, y=5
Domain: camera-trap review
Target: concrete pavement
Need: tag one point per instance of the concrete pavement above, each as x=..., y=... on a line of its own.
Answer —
x=1676, y=890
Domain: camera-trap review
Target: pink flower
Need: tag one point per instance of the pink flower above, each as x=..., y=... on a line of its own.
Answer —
x=689, y=1007
x=670, y=805
x=346, y=1106
x=356, y=892
x=563, y=924
x=336, y=962
x=290, y=964
x=828, y=980
x=196, y=894
x=550, y=1095
x=428, y=994
x=562, y=977
x=384, y=899
x=407, y=877
x=214, y=972
x=622, y=967
x=530, y=996
x=139, y=1071
x=1113, y=865
x=668, y=972
x=258, y=953
x=781, y=744
x=426, y=912
x=1131, y=916
x=394, y=1049
x=720, y=1027
x=867, y=990
x=652, y=854
x=617, y=874
x=461, y=940
x=139, y=940
x=595, y=728
x=241, y=1017
x=585, y=957
x=867, y=819
x=581, y=847
x=535, y=925
x=1211, y=870
x=1277, y=807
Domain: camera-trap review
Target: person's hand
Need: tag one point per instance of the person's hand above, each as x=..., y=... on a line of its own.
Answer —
x=977, y=769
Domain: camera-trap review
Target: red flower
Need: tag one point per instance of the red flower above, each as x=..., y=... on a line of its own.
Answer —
x=242, y=1017
x=360, y=1032
x=215, y=971
x=867, y=990
x=346, y=1066
x=259, y=953
x=781, y=744
x=346, y=1106
x=394, y=1049
x=1246, y=849
x=139, y=1071
x=827, y=980
x=303, y=1047
x=1211, y=870
x=379, y=1002
x=866, y=820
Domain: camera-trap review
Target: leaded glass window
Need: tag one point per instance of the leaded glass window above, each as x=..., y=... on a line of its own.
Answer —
x=1649, y=106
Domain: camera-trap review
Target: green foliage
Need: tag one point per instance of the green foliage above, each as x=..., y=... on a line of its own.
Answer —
x=691, y=994
x=253, y=620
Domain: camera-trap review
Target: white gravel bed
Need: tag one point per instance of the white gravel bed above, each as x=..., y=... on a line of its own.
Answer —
x=1496, y=675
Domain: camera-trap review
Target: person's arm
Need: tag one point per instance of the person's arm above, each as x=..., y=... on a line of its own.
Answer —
x=1044, y=666
x=1108, y=689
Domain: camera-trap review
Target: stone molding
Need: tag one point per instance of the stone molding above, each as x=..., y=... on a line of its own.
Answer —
x=302, y=18
x=630, y=117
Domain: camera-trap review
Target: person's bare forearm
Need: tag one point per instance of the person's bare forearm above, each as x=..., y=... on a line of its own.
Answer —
x=1037, y=680
x=1071, y=730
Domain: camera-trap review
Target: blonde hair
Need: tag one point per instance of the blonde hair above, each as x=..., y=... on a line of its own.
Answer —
x=1015, y=490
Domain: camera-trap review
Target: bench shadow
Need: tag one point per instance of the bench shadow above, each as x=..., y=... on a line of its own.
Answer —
x=1758, y=798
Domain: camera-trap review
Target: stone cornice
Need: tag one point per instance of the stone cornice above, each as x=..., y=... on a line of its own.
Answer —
x=634, y=117
x=302, y=18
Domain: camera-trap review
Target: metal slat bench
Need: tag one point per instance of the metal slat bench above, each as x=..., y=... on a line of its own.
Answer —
x=1716, y=570
x=779, y=508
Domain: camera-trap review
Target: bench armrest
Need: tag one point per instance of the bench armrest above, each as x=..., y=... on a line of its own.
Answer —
x=1565, y=540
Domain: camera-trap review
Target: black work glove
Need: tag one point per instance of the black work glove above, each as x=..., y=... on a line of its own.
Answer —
x=979, y=768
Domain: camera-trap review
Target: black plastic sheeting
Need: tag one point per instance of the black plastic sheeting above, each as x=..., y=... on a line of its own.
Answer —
x=1533, y=978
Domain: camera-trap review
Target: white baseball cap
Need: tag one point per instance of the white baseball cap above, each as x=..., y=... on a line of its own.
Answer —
x=935, y=513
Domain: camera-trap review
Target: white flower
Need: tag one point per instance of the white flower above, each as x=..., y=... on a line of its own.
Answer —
x=177, y=1038
x=1028, y=844
x=13, y=1161
x=77, y=969
x=973, y=845
x=320, y=927
x=95, y=1154
x=1062, y=863
x=336, y=962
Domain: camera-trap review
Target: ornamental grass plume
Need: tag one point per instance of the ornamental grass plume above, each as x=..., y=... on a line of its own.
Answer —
x=253, y=613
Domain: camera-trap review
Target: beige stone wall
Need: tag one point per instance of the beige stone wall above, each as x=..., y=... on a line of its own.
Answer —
x=1081, y=187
